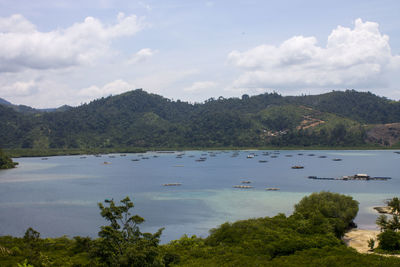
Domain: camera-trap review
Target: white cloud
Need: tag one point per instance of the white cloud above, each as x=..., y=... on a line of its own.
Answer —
x=142, y=55
x=19, y=89
x=353, y=58
x=200, y=86
x=112, y=88
x=23, y=46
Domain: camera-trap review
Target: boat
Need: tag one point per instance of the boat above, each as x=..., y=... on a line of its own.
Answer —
x=311, y=155
x=263, y=161
x=250, y=156
x=337, y=159
x=246, y=182
x=322, y=157
x=105, y=163
x=272, y=189
x=297, y=167
x=45, y=158
x=288, y=156
x=172, y=184
x=243, y=186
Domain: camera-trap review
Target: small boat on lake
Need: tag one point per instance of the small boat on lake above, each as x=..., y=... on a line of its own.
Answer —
x=263, y=161
x=272, y=189
x=246, y=182
x=337, y=159
x=135, y=159
x=172, y=184
x=243, y=186
x=297, y=167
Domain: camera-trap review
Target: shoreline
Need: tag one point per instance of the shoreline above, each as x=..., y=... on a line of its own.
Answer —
x=358, y=239
x=20, y=152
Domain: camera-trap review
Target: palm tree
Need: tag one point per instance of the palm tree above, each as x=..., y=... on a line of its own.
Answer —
x=382, y=222
x=394, y=203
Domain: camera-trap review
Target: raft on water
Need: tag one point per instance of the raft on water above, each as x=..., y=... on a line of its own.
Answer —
x=357, y=177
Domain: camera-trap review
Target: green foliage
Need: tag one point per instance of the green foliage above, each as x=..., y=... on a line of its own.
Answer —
x=338, y=210
x=138, y=119
x=371, y=243
x=389, y=240
x=121, y=243
x=306, y=238
x=6, y=162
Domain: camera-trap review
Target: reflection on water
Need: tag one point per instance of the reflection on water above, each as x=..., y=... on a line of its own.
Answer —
x=60, y=195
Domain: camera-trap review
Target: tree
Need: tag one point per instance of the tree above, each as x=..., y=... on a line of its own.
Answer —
x=6, y=162
x=121, y=243
x=371, y=243
x=338, y=209
x=382, y=222
x=389, y=240
x=394, y=203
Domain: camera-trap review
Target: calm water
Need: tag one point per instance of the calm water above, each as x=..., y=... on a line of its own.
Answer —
x=59, y=196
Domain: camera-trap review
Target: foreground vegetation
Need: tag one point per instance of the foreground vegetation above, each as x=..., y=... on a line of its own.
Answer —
x=6, y=162
x=138, y=119
x=389, y=238
x=308, y=237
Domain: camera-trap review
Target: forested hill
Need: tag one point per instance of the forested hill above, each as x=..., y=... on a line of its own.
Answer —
x=140, y=119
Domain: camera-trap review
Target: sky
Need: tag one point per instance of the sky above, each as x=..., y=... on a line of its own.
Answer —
x=56, y=52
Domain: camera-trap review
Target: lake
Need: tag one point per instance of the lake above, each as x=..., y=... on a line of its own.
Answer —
x=59, y=195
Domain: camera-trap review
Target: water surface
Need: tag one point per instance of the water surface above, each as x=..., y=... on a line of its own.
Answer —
x=59, y=196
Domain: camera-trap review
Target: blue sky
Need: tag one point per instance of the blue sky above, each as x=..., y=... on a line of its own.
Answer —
x=71, y=52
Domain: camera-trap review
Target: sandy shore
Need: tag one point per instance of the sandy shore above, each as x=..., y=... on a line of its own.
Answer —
x=358, y=239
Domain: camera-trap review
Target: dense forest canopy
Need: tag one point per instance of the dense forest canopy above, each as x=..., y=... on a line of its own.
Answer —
x=143, y=120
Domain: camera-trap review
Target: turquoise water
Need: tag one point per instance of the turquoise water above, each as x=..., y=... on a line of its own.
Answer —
x=59, y=196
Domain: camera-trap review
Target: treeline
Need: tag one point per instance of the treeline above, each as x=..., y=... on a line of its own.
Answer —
x=311, y=236
x=138, y=119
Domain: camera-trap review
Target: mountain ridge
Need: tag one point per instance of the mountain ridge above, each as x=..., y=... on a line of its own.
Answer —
x=140, y=119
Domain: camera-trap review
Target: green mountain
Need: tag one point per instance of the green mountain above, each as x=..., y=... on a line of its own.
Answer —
x=143, y=120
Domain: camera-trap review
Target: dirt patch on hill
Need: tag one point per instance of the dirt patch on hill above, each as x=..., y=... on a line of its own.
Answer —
x=384, y=134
